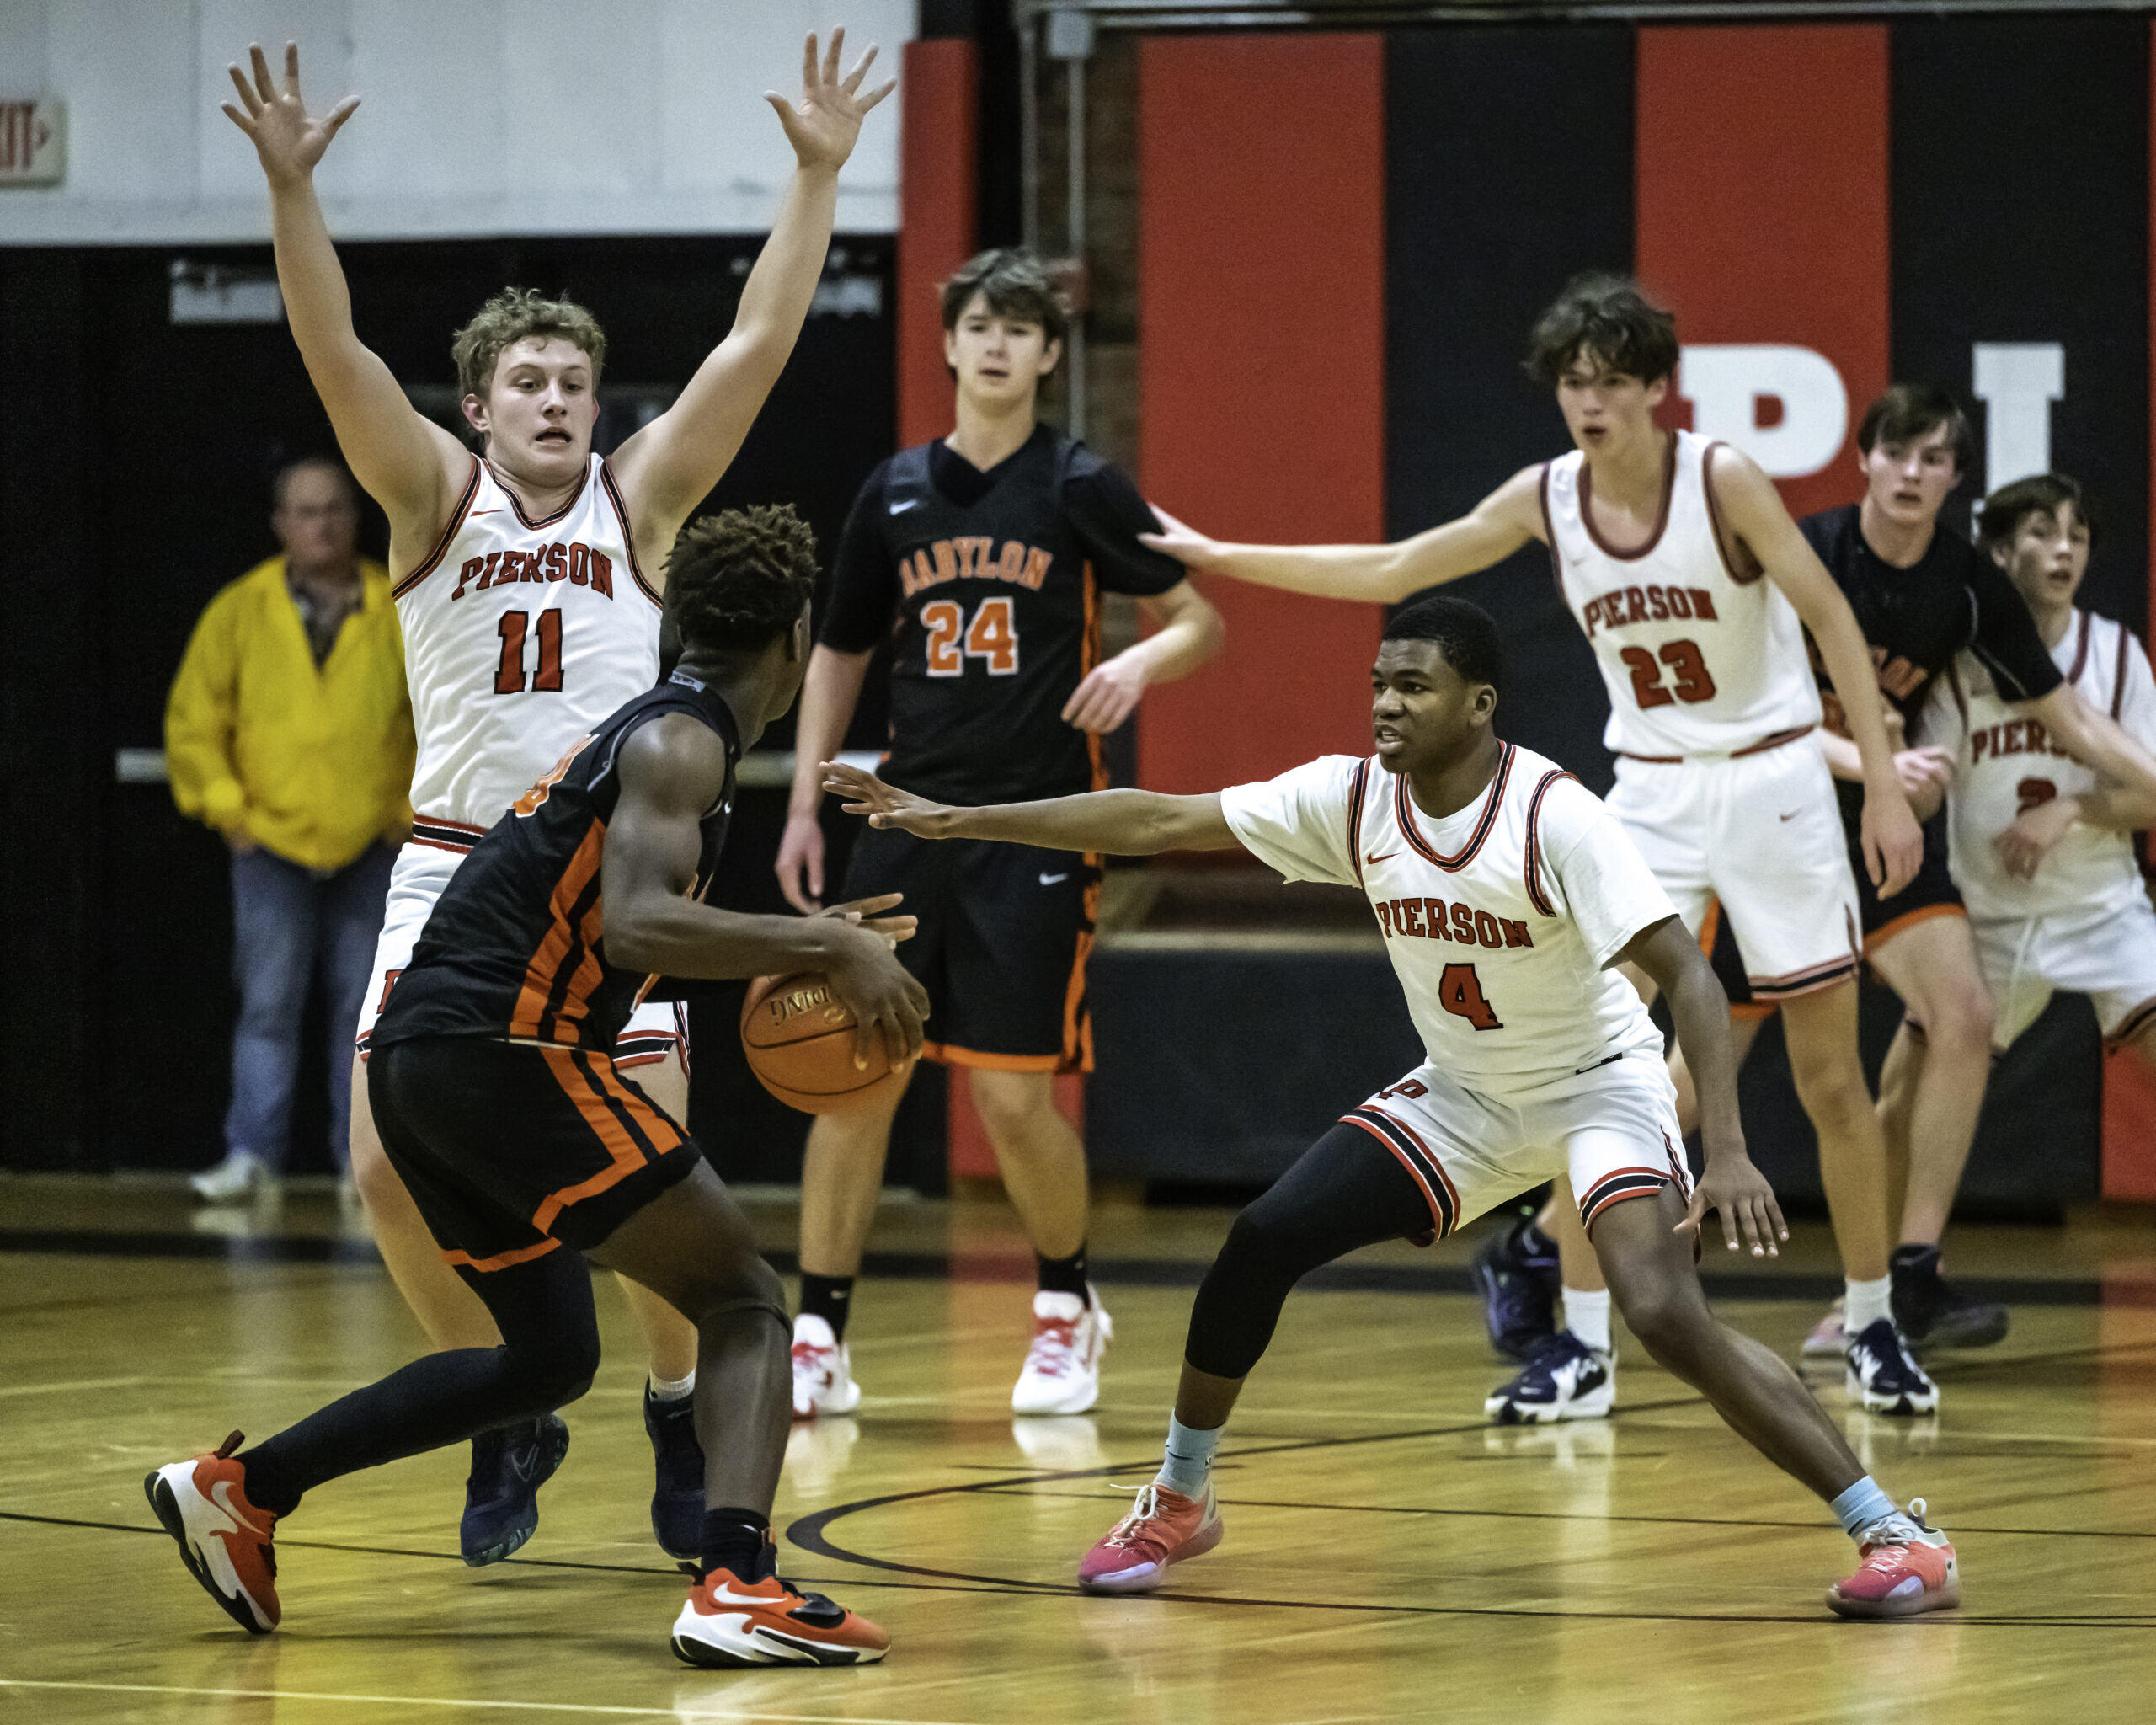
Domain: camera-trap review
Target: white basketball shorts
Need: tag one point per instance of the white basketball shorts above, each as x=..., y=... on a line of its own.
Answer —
x=2108, y=954
x=655, y=1029
x=1613, y=1128
x=1762, y=833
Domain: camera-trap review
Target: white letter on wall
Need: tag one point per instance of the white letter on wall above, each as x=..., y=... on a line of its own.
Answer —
x=1726, y=384
x=2017, y=382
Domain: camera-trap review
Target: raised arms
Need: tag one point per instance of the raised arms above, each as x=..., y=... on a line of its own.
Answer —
x=409, y=465
x=1494, y=529
x=666, y=469
x=1893, y=845
x=672, y=771
x=1118, y=823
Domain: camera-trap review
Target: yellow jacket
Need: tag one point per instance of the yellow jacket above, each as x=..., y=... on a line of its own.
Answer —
x=312, y=765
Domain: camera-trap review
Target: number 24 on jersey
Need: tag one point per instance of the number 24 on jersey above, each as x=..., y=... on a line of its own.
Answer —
x=992, y=636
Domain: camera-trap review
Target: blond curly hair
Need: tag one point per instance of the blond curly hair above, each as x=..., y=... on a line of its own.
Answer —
x=509, y=318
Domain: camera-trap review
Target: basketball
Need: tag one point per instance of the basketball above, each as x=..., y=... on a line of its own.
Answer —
x=798, y=1036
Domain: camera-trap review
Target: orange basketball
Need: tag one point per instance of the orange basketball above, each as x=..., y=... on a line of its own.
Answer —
x=798, y=1036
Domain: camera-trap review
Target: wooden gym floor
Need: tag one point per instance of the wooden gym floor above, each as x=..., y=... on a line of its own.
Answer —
x=1388, y=1557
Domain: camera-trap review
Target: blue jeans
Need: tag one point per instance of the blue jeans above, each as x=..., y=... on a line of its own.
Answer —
x=286, y=922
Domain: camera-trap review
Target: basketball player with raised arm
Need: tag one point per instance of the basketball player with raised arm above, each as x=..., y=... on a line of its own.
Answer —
x=1694, y=588
x=981, y=558
x=502, y=1108
x=1506, y=894
x=530, y=612
x=2042, y=845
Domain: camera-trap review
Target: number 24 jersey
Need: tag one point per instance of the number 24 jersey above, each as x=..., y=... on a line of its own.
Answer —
x=1500, y=919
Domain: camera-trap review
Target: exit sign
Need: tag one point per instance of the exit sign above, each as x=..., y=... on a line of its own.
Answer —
x=33, y=141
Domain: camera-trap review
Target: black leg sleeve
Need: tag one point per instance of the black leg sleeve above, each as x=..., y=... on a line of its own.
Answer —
x=1345, y=1191
x=550, y=1351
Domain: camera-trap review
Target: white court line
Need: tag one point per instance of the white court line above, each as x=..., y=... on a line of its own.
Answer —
x=79, y=1384
x=688, y=1710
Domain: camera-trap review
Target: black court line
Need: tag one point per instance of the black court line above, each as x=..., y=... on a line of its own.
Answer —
x=809, y=1534
x=1123, y=1272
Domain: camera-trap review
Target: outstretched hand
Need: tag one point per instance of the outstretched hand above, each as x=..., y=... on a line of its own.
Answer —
x=822, y=127
x=885, y=805
x=289, y=142
x=1183, y=542
x=867, y=913
x=1739, y=1192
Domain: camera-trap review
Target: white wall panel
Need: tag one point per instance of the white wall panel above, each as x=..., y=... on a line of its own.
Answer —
x=477, y=116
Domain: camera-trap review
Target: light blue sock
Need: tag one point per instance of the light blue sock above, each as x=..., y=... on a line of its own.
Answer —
x=1861, y=1505
x=1189, y=1458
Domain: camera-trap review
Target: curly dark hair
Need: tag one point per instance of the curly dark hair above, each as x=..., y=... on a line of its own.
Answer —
x=1608, y=318
x=736, y=580
x=1465, y=634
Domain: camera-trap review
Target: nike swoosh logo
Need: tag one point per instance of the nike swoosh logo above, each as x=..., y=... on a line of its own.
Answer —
x=525, y=1464
x=899, y=508
x=1051, y=879
x=1792, y=815
x=477, y=513
x=221, y=1494
x=727, y=1596
x=1370, y=862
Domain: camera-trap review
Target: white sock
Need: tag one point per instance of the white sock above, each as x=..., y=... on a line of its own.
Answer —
x=1867, y=1303
x=1587, y=1316
x=674, y=1389
x=1188, y=1458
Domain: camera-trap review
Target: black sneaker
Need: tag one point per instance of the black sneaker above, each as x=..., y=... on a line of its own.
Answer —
x=677, y=1497
x=1517, y=1277
x=1883, y=1376
x=501, y=1497
x=1931, y=1313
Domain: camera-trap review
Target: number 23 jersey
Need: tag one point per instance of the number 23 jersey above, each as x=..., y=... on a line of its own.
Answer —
x=519, y=637
x=1500, y=919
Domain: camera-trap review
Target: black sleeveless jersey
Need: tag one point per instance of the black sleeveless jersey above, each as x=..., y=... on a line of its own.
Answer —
x=988, y=584
x=1916, y=619
x=514, y=948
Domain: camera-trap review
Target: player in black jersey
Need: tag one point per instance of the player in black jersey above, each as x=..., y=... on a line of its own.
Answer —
x=981, y=558
x=499, y=1103
x=1922, y=593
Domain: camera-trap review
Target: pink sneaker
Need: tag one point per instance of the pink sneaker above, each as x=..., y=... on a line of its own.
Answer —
x=1899, y=1578
x=1163, y=1527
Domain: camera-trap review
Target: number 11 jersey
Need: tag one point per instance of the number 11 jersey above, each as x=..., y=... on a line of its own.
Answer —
x=520, y=638
x=1700, y=657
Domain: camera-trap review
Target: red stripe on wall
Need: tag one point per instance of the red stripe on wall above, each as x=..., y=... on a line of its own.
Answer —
x=2129, y=1155
x=1261, y=374
x=937, y=156
x=1762, y=201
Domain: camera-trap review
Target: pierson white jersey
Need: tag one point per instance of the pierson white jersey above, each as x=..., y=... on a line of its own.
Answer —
x=2005, y=762
x=1700, y=659
x=519, y=637
x=1499, y=919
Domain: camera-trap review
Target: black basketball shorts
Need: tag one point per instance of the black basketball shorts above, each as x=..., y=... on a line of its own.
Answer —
x=1005, y=933
x=510, y=1149
x=1930, y=893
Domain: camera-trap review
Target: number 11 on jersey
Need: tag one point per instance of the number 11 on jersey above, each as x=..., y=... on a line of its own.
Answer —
x=508, y=674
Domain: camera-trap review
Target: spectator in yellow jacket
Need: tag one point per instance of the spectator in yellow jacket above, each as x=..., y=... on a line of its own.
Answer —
x=288, y=731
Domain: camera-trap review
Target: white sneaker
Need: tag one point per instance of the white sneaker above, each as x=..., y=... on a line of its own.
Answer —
x=1566, y=1379
x=1063, y=1367
x=234, y=1177
x=1827, y=1340
x=823, y=1373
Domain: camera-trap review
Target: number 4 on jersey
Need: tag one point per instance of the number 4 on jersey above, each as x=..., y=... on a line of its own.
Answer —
x=1459, y=992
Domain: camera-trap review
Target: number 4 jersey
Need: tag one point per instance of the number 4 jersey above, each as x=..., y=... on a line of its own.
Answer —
x=987, y=585
x=1501, y=919
x=519, y=637
x=1700, y=657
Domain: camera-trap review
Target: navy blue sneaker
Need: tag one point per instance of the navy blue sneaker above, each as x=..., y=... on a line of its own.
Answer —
x=501, y=1497
x=1517, y=1277
x=1566, y=1379
x=677, y=1498
x=1883, y=1375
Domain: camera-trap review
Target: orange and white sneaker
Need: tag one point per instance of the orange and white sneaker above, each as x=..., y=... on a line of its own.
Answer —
x=1900, y=1576
x=1163, y=1527
x=1062, y=1373
x=224, y=1539
x=728, y=1622
x=823, y=1371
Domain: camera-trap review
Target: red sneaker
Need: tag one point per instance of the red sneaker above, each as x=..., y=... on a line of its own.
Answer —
x=224, y=1539
x=731, y=1622
x=1899, y=1578
x=1163, y=1527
